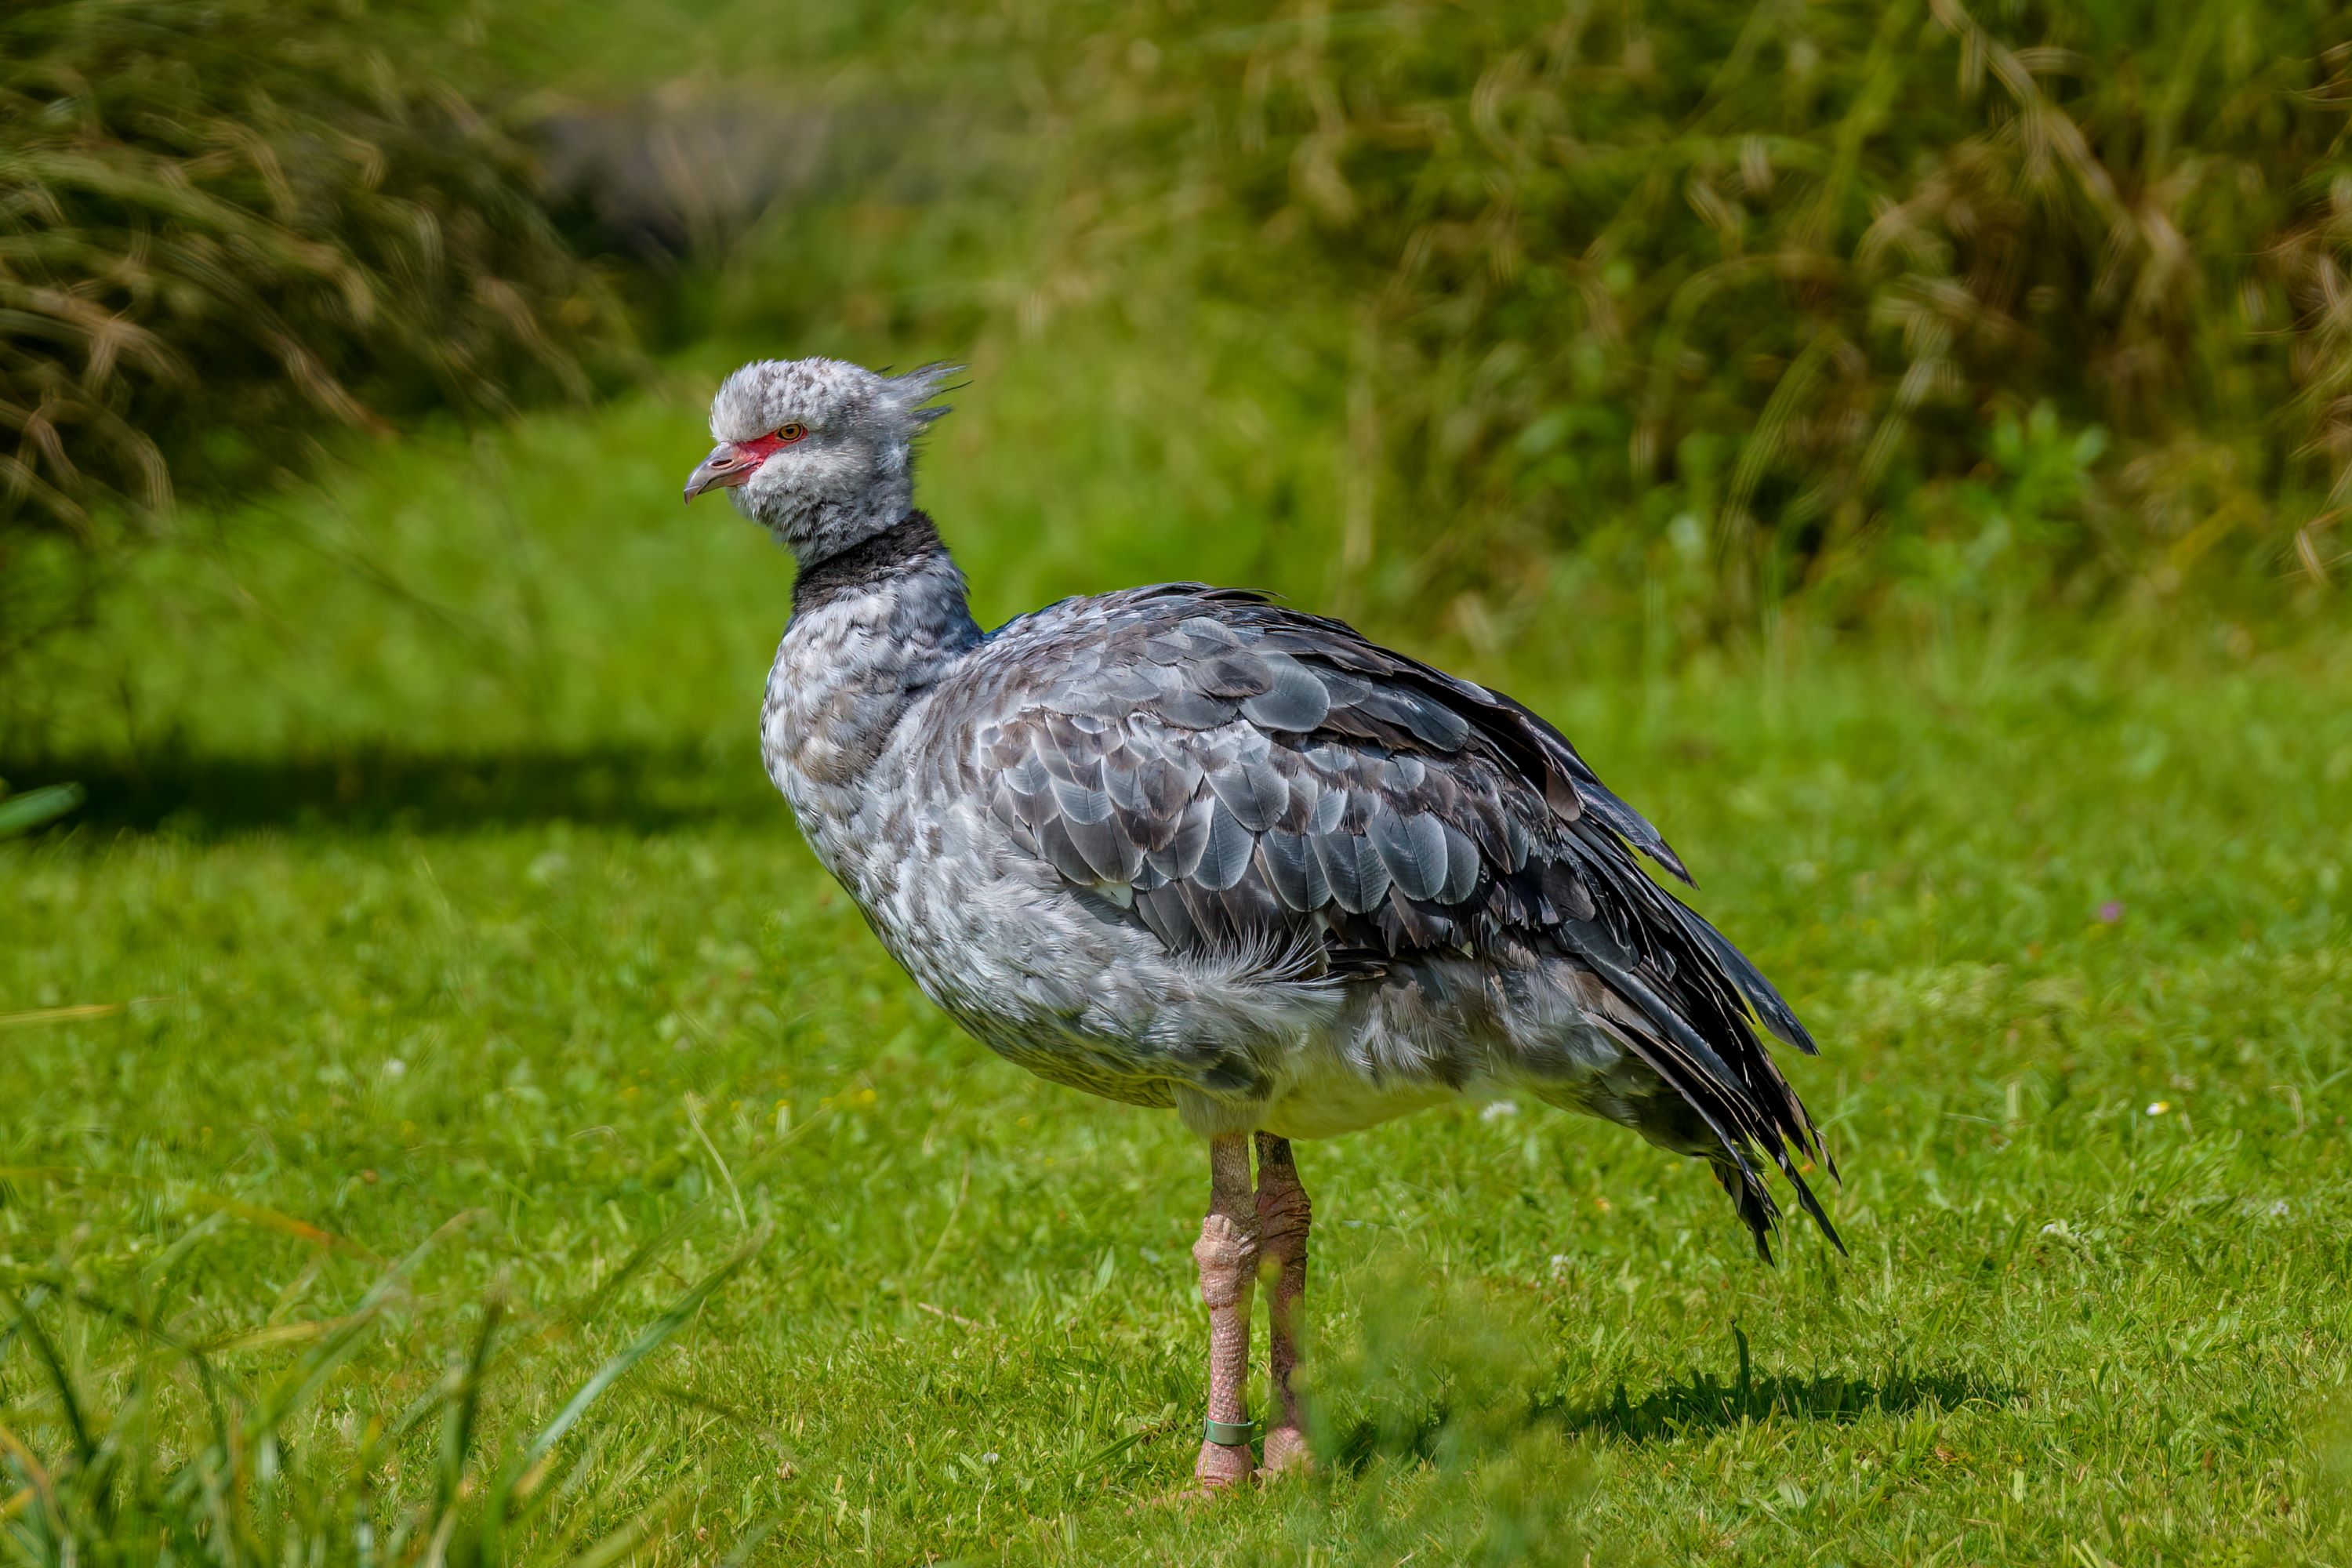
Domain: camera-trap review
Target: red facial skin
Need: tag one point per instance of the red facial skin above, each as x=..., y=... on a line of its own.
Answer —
x=732, y=462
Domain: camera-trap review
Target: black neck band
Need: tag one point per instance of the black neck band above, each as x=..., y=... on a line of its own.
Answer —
x=889, y=554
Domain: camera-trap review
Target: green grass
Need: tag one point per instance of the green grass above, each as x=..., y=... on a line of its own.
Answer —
x=465, y=897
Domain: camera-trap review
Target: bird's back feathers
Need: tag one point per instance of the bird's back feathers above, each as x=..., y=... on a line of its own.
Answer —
x=1234, y=775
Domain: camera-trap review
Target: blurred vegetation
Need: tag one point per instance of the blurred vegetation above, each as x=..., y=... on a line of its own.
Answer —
x=227, y=227
x=1690, y=308
x=1854, y=298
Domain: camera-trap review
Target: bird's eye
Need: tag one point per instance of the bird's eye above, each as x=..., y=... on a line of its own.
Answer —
x=791, y=433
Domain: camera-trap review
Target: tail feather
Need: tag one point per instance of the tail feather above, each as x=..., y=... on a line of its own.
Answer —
x=1692, y=1015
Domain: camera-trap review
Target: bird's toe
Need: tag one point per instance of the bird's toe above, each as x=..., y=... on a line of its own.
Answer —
x=1286, y=1453
x=1222, y=1467
x=1219, y=1473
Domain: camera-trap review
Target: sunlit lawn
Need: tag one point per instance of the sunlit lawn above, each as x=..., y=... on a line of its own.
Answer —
x=489, y=912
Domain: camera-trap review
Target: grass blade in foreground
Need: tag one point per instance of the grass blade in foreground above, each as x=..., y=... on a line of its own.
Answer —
x=90, y=1398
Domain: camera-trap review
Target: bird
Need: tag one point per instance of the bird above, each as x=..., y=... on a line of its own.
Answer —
x=1188, y=848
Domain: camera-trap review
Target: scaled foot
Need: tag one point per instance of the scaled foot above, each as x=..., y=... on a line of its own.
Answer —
x=1221, y=1468
x=1286, y=1453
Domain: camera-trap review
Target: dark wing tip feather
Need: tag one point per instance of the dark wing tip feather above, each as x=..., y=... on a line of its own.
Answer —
x=1812, y=1205
x=1754, y=1202
x=1623, y=819
x=1745, y=1185
x=1760, y=993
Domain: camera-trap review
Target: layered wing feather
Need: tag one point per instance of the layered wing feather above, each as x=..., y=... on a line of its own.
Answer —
x=1246, y=779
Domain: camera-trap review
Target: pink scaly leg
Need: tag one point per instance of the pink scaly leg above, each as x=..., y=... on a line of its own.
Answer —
x=1227, y=1254
x=1284, y=1216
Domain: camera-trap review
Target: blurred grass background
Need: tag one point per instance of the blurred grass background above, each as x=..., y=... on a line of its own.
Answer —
x=1906, y=445
x=1680, y=313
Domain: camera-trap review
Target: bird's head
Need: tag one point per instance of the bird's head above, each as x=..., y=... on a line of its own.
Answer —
x=819, y=451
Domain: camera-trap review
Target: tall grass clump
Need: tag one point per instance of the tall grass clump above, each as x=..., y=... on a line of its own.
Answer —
x=226, y=227
x=127, y=1437
x=1978, y=294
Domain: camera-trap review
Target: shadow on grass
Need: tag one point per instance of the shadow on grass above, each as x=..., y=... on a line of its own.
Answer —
x=1695, y=1404
x=643, y=788
x=1699, y=1402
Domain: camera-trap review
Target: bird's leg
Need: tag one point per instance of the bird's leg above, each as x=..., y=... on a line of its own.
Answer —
x=1284, y=1214
x=1227, y=1254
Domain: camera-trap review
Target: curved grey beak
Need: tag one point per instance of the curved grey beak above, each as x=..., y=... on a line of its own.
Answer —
x=727, y=466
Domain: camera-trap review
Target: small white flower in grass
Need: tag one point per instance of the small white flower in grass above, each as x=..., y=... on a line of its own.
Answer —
x=2158, y=1108
x=1560, y=1261
x=1496, y=1110
x=2278, y=1209
x=988, y=1459
x=394, y=1067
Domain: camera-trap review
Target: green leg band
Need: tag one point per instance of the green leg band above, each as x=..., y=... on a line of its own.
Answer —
x=1228, y=1433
